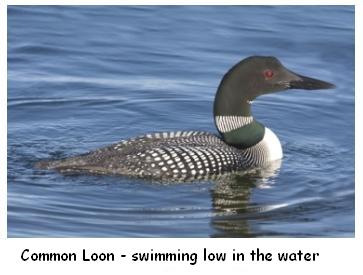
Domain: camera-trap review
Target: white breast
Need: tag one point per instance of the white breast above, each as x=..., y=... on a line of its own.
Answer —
x=273, y=145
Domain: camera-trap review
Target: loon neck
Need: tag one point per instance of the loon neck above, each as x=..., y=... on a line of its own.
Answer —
x=233, y=117
x=242, y=137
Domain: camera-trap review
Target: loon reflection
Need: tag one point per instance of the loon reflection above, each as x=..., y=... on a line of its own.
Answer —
x=231, y=201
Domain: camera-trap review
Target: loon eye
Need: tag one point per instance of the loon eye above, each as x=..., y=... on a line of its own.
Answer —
x=268, y=74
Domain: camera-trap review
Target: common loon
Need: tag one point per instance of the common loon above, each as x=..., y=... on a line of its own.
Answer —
x=243, y=142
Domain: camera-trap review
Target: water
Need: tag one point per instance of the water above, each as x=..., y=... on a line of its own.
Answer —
x=83, y=77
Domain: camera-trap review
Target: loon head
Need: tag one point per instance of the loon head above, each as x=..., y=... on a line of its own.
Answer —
x=267, y=75
x=255, y=76
x=248, y=79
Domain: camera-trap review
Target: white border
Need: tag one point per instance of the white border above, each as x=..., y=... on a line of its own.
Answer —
x=337, y=255
x=3, y=121
x=358, y=120
x=180, y=2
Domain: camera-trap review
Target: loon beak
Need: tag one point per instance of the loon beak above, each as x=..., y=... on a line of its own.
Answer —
x=307, y=83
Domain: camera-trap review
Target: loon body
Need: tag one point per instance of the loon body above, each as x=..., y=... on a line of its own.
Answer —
x=243, y=143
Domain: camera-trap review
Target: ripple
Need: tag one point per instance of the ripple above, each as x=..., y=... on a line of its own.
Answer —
x=81, y=83
x=139, y=83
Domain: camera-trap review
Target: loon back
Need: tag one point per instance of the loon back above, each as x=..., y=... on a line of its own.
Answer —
x=243, y=142
x=182, y=155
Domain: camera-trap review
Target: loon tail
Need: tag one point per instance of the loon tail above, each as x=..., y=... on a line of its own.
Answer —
x=60, y=164
x=75, y=166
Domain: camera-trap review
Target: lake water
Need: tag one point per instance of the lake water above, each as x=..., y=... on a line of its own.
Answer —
x=83, y=77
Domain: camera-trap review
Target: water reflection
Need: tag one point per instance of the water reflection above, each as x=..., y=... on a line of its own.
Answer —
x=231, y=201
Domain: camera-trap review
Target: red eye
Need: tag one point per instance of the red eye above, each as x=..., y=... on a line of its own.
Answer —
x=268, y=74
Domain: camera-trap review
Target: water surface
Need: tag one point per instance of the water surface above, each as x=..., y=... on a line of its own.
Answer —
x=83, y=77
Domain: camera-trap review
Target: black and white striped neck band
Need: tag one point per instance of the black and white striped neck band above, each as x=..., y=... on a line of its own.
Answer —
x=230, y=123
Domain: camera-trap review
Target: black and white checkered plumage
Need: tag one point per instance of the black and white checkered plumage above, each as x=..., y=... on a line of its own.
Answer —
x=182, y=155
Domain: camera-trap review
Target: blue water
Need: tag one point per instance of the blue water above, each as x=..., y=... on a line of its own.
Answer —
x=83, y=77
